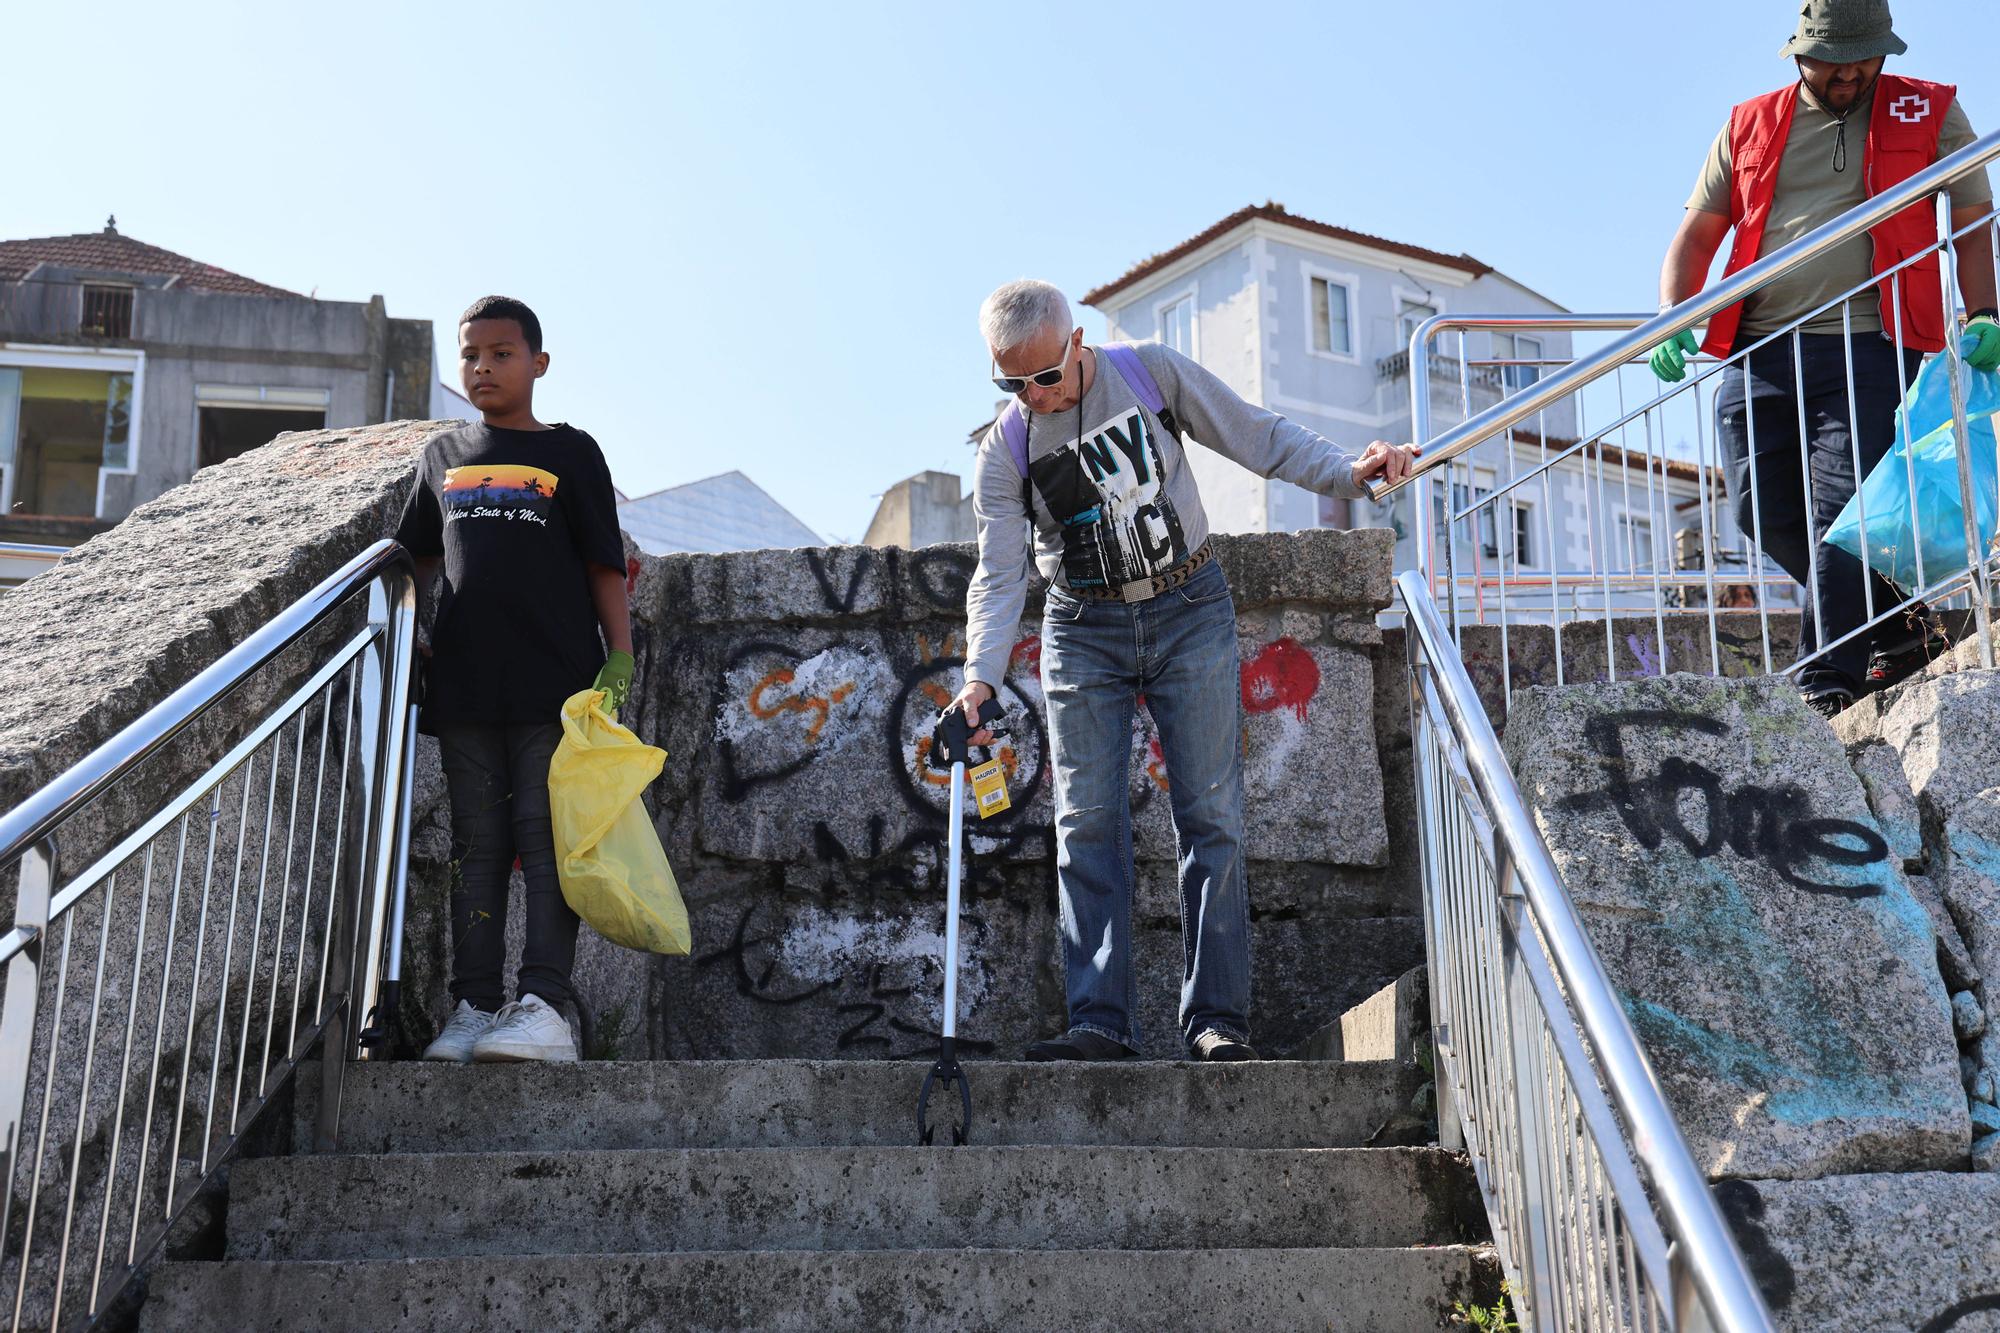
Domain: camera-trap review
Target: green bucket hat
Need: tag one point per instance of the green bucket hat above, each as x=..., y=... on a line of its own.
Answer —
x=1844, y=31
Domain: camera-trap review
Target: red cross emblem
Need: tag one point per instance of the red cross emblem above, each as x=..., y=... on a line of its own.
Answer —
x=1910, y=108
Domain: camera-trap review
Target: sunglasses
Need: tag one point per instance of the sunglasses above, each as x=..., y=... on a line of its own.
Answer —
x=1041, y=379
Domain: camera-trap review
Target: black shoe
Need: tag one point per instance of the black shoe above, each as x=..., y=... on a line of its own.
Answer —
x=1831, y=702
x=1922, y=643
x=1079, y=1046
x=1213, y=1047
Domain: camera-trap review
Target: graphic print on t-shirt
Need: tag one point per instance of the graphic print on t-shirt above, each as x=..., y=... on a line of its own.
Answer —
x=503, y=491
x=1118, y=524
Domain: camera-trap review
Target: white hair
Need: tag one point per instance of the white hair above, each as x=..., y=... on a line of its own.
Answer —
x=1017, y=312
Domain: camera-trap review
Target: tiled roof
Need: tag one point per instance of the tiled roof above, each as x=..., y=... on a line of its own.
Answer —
x=107, y=251
x=1277, y=213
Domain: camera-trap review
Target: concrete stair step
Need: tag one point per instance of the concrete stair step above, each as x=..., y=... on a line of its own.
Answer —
x=1378, y=1290
x=411, y=1106
x=458, y=1204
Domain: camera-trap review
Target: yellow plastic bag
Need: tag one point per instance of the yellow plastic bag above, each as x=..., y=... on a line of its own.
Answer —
x=614, y=873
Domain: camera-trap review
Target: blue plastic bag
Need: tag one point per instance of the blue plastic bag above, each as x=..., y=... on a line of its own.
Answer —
x=1930, y=459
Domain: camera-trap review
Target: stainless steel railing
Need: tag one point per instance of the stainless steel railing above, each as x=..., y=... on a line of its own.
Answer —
x=158, y=995
x=1629, y=495
x=1602, y=1219
x=21, y=561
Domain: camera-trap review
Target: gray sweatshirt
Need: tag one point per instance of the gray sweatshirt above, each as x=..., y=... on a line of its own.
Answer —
x=1112, y=498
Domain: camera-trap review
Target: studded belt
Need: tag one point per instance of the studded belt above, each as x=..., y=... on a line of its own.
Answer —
x=1144, y=590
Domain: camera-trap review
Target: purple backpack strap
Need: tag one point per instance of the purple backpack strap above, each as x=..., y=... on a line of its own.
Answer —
x=1138, y=379
x=1014, y=430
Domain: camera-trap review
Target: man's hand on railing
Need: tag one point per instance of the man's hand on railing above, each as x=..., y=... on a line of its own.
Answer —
x=1670, y=358
x=1980, y=344
x=1388, y=462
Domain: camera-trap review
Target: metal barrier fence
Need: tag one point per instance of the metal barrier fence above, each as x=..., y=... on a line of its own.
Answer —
x=1593, y=492
x=1601, y=1217
x=170, y=984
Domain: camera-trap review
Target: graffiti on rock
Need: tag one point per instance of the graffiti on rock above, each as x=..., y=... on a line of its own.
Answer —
x=943, y=576
x=839, y=601
x=883, y=974
x=1281, y=675
x=1770, y=824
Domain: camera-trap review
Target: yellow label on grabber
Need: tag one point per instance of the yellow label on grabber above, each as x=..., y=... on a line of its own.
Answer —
x=989, y=788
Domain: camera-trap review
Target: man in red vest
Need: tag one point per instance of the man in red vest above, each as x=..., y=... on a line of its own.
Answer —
x=1787, y=163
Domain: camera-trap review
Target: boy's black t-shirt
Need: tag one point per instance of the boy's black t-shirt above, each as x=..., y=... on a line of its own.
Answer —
x=519, y=516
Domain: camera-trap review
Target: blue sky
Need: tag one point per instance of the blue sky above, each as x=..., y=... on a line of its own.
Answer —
x=758, y=237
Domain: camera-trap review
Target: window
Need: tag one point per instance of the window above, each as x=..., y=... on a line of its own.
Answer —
x=1177, y=325
x=107, y=311
x=1635, y=539
x=1463, y=495
x=57, y=429
x=1409, y=314
x=1332, y=317
x=236, y=418
x=1517, y=347
x=1524, y=534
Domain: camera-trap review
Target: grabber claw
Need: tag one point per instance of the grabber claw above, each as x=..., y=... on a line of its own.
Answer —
x=945, y=1073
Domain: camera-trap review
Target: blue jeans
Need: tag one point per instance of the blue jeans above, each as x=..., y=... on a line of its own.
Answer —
x=1837, y=428
x=1179, y=650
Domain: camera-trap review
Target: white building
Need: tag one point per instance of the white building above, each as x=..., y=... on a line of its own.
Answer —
x=1314, y=321
x=728, y=512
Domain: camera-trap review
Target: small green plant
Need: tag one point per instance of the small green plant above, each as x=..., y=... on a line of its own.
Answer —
x=1495, y=1318
x=1424, y=1104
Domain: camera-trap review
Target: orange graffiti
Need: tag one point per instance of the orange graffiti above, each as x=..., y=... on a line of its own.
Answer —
x=818, y=707
x=1156, y=765
x=924, y=653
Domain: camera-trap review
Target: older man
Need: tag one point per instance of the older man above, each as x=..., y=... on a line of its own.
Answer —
x=1786, y=163
x=1089, y=462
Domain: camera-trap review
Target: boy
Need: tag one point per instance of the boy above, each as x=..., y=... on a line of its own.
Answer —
x=523, y=516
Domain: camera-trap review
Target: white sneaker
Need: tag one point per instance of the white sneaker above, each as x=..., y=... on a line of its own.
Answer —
x=529, y=1029
x=464, y=1029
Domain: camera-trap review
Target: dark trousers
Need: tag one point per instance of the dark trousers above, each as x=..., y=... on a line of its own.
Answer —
x=498, y=780
x=1835, y=427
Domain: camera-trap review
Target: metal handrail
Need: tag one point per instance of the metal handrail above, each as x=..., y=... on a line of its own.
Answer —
x=1709, y=1260
x=1696, y=310
x=333, y=909
x=83, y=782
x=33, y=551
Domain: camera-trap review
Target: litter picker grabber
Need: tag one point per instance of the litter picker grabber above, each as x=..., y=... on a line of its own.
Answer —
x=951, y=747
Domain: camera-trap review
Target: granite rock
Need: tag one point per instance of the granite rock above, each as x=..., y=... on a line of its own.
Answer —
x=1880, y=1253
x=1746, y=906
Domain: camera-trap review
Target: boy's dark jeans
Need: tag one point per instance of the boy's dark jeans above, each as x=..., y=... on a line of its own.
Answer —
x=498, y=779
x=1834, y=428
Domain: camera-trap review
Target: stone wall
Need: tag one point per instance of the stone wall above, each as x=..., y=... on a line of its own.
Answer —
x=794, y=691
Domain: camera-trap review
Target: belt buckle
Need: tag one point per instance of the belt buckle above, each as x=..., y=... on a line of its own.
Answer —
x=1139, y=590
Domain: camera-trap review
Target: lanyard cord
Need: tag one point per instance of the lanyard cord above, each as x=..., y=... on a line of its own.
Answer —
x=1839, y=121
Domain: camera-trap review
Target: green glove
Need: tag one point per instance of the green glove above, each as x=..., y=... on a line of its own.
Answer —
x=1980, y=345
x=615, y=680
x=1670, y=358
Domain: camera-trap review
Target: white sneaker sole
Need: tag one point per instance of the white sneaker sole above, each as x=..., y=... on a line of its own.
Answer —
x=433, y=1054
x=524, y=1053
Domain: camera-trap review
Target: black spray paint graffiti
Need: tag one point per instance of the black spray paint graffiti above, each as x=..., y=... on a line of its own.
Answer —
x=943, y=577
x=754, y=955
x=1743, y=1210
x=841, y=603
x=924, y=689
x=1767, y=824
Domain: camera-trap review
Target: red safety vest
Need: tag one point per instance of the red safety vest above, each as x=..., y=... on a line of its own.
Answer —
x=1902, y=141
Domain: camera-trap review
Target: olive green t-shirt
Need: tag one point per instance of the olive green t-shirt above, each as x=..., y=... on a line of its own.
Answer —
x=1811, y=193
